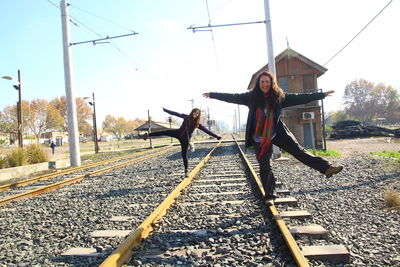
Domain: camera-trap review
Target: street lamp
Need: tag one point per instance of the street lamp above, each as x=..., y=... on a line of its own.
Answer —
x=19, y=106
x=96, y=143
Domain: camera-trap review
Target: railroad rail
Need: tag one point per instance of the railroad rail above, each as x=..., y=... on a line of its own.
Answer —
x=40, y=189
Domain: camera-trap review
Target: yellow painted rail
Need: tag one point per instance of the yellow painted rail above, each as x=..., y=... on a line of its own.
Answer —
x=125, y=251
x=78, y=178
x=287, y=236
x=70, y=170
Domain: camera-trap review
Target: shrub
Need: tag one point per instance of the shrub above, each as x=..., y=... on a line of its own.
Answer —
x=392, y=199
x=17, y=157
x=3, y=162
x=36, y=154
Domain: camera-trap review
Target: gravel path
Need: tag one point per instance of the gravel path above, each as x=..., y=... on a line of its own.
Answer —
x=350, y=206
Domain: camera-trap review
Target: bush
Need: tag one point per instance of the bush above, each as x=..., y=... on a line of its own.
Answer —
x=36, y=154
x=3, y=162
x=17, y=157
x=392, y=199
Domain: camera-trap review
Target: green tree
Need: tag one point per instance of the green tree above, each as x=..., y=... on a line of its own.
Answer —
x=366, y=101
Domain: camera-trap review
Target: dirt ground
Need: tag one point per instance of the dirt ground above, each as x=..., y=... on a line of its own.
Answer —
x=348, y=147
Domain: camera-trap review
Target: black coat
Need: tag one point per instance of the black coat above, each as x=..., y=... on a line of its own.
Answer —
x=244, y=99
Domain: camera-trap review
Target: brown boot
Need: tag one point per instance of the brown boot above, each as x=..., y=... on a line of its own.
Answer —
x=333, y=170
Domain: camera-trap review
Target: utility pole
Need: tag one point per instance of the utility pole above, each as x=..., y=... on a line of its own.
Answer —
x=20, y=138
x=239, y=118
x=271, y=58
x=149, y=130
x=96, y=141
x=276, y=152
x=191, y=100
x=19, y=108
x=73, y=135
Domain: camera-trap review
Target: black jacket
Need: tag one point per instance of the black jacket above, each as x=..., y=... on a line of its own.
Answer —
x=244, y=99
x=184, y=131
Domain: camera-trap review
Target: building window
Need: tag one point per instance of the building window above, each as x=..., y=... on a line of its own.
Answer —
x=283, y=83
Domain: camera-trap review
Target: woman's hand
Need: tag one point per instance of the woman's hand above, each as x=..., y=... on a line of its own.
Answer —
x=206, y=95
x=329, y=93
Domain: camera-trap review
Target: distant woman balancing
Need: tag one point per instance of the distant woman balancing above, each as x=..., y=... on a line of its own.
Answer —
x=265, y=127
x=184, y=133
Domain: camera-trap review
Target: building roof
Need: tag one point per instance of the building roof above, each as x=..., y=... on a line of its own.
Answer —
x=155, y=125
x=289, y=53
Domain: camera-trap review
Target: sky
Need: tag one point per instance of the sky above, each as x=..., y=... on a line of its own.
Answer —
x=168, y=65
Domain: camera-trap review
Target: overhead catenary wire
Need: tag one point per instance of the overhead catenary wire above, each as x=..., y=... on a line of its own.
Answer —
x=359, y=32
x=78, y=23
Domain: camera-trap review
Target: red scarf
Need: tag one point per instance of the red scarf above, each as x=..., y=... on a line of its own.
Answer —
x=264, y=128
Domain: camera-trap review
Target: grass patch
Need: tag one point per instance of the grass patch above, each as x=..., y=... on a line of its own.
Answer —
x=392, y=199
x=322, y=153
x=388, y=154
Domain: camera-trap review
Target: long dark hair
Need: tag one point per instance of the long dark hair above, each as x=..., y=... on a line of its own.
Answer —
x=276, y=94
x=194, y=121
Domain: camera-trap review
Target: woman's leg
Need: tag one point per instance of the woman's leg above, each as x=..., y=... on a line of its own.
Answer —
x=289, y=143
x=171, y=133
x=266, y=175
x=184, y=146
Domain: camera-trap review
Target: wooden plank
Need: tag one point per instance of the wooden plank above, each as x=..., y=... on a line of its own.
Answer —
x=110, y=233
x=314, y=230
x=296, y=214
x=286, y=201
x=333, y=253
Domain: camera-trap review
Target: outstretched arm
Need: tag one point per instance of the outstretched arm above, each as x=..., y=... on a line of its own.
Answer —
x=204, y=129
x=241, y=99
x=299, y=99
x=181, y=115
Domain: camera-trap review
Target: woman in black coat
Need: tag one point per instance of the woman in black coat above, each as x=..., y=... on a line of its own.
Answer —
x=265, y=127
x=184, y=133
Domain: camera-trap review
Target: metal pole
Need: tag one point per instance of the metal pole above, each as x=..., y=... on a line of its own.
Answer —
x=149, y=121
x=19, y=112
x=96, y=141
x=239, y=119
x=323, y=123
x=312, y=135
x=73, y=134
x=276, y=153
x=170, y=126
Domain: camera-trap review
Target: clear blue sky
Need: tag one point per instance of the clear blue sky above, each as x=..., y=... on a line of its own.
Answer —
x=166, y=64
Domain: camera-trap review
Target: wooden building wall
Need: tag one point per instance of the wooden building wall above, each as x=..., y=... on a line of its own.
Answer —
x=302, y=78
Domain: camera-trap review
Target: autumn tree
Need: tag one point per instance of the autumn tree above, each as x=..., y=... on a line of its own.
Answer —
x=84, y=113
x=42, y=117
x=117, y=126
x=366, y=101
x=9, y=121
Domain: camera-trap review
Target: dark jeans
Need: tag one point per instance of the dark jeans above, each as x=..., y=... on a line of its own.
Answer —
x=184, y=142
x=287, y=142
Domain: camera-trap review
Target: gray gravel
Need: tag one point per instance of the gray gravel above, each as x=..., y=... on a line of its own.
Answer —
x=350, y=206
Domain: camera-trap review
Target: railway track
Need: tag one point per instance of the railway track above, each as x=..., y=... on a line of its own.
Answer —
x=49, y=182
x=218, y=219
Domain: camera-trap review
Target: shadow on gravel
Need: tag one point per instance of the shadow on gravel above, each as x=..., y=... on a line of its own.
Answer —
x=349, y=187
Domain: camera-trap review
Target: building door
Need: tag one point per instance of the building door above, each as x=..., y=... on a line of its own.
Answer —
x=309, y=135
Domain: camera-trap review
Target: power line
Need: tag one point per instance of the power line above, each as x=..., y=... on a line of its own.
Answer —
x=97, y=16
x=77, y=23
x=359, y=31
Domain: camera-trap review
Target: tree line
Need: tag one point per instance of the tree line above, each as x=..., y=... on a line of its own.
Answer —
x=368, y=102
x=40, y=116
